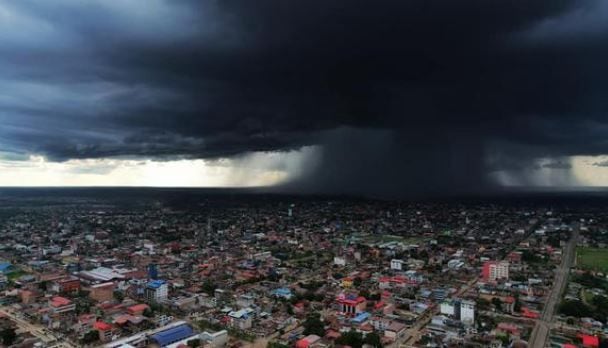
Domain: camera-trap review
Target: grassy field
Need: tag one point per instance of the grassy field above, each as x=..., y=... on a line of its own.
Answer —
x=592, y=259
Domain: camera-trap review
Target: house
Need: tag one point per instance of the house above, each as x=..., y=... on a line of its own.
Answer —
x=241, y=319
x=307, y=341
x=137, y=309
x=102, y=292
x=350, y=304
x=61, y=305
x=6, y=267
x=104, y=329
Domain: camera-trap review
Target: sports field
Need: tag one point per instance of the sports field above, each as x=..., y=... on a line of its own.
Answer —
x=592, y=259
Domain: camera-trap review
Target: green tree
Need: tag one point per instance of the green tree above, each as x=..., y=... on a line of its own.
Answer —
x=575, y=308
x=209, y=287
x=313, y=325
x=8, y=336
x=276, y=345
x=373, y=339
x=193, y=343
x=90, y=337
x=497, y=303
x=118, y=296
x=351, y=338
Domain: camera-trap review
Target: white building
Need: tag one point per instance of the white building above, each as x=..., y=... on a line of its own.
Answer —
x=397, y=264
x=467, y=312
x=499, y=270
x=447, y=308
x=157, y=290
x=339, y=261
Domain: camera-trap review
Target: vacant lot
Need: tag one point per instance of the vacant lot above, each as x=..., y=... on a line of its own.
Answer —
x=592, y=258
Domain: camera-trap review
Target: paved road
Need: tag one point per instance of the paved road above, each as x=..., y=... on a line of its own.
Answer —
x=36, y=330
x=540, y=333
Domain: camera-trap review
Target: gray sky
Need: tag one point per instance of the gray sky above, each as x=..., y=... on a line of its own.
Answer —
x=317, y=96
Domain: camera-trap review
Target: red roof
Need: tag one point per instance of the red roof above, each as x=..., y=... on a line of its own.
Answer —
x=590, y=341
x=303, y=343
x=59, y=301
x=102, y=326
x=138, y=308
x=379, y=305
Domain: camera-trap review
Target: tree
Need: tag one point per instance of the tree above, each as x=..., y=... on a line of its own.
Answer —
x=209, y=287
x=276, y=345
x=313, y=325
x=193, y=343
x=517, y=305
x=497, y=303
x=90, y=337
x=373, y=339
x=483, y=304
x=118, y=296
x=148, y=313
x=575, y=308
x=8, y=336
x=351, y=338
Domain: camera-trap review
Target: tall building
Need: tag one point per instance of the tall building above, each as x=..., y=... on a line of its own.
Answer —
x=494, y=270
x=152, y=271
x=467, y=312
x=157, y=290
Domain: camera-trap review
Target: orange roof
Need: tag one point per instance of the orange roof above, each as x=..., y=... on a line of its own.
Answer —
x=59, y=301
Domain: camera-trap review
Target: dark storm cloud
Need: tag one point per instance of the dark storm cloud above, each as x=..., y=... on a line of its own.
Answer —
x=425, y=95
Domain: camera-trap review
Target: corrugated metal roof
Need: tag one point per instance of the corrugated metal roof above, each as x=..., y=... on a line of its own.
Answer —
x=172, y=335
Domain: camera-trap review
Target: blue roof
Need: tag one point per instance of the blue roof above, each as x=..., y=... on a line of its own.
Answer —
x=178, y=333
x=155, y=284
x=5, y=265
x=361, y=317
x=282, y=291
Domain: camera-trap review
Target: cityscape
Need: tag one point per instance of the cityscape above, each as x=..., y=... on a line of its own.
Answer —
x=303, y=174
x=172, y=268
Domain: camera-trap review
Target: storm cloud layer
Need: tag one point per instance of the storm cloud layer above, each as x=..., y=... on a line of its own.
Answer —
x=400, y=96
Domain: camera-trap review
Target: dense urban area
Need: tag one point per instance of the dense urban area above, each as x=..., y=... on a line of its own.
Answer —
x=122, y=269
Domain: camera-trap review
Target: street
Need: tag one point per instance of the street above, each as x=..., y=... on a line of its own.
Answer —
x=540, y=333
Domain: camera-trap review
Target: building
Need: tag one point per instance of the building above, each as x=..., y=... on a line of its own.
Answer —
x=105, y=331
x=172, y=335
x=215, y=339
x=351, y=305
x=339, y=261
x=467, y=312
x=6, y=267
x=449, y=308
x=61, y=305
x=137, y=309
x=66, y=285
x=241, y=319
x=282, y=293
x=157, y=290
x=397, y=264
x=102, y=292
x=495, y=270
